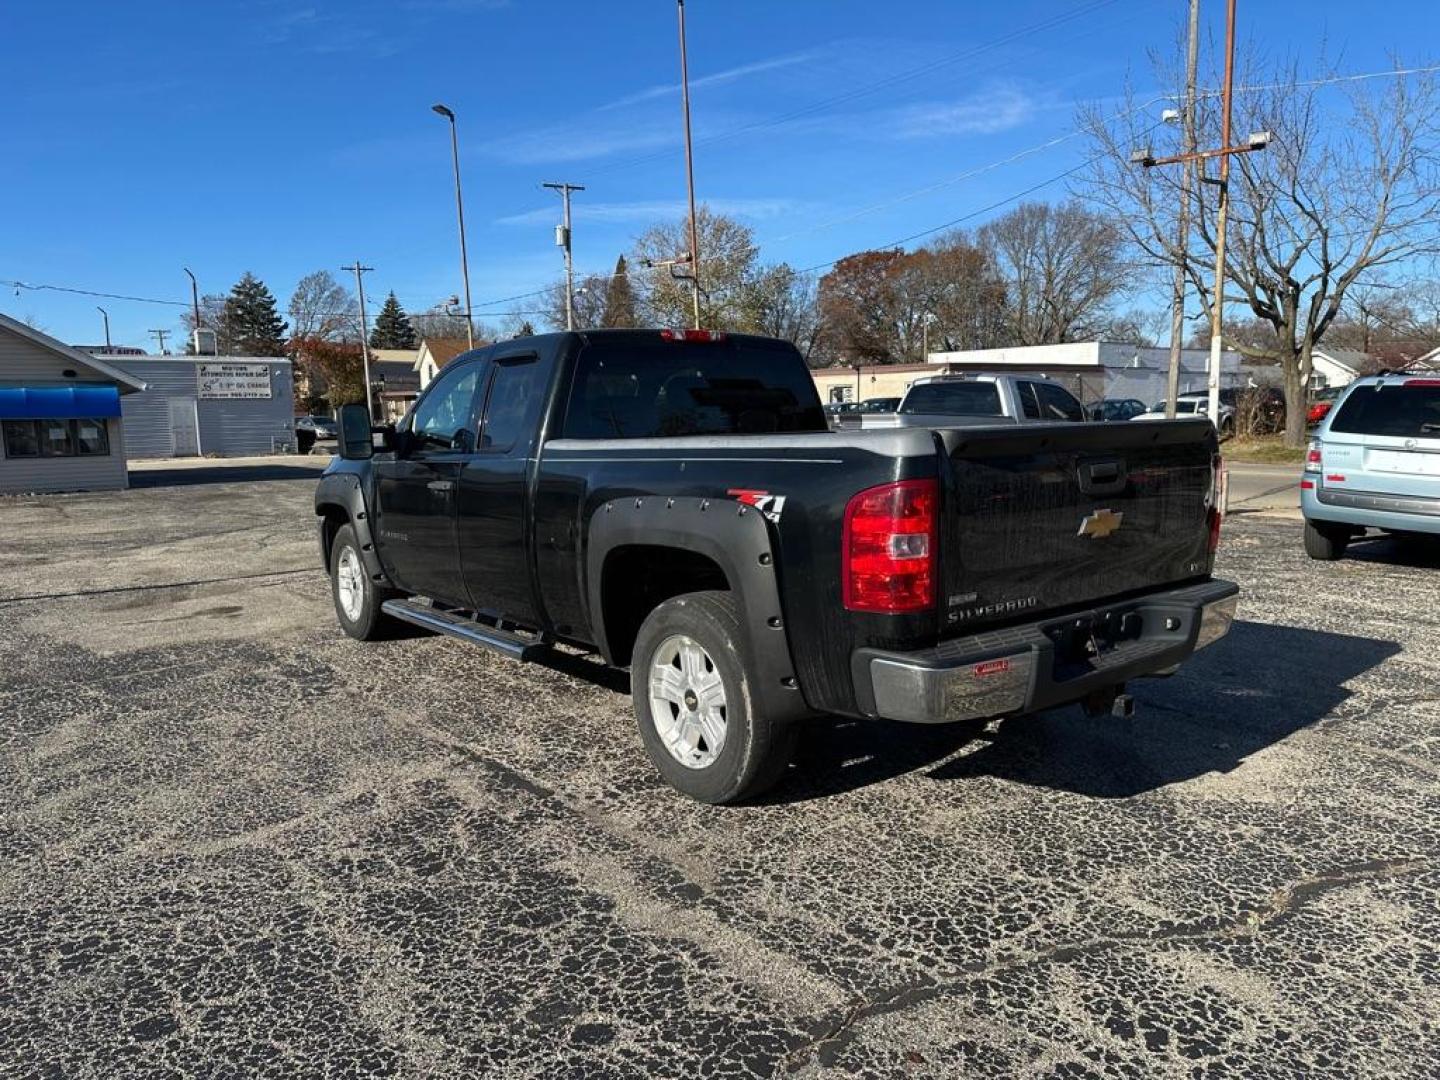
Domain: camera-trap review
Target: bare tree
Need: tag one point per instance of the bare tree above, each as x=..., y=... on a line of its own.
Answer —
x=781, y=302
x=590, y=293
x=212, y=317
x=320, y=307
x=1064, y=266
x=1339, y=195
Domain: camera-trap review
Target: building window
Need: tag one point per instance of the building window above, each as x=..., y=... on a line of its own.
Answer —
x=56, y=438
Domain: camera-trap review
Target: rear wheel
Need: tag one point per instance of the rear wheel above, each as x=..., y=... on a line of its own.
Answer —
x=357, y=598
x=1326, y=542
x=691, y=687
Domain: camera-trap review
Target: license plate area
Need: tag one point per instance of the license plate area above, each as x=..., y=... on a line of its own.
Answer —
x=1081, y=644
x=1405, y=462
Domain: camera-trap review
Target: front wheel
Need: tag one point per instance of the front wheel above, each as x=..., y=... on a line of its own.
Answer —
x=1326, y=542
x=357, y=598
x=691, y=686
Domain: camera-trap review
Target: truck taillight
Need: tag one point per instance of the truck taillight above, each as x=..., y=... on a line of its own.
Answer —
x=678, y=334
x=1219, y=482
x=888, y=547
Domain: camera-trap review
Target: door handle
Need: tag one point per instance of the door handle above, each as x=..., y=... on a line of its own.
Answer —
x=440, y=485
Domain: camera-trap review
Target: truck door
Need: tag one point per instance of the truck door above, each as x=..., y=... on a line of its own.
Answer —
x=495, y=518
x=415, y=491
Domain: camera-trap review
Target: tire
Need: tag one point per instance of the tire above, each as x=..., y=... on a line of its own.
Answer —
x=699, y=637
x=1326, y=542
x=358, y=612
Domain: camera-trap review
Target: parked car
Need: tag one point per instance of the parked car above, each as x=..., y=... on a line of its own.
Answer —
x=310, y=430
x=1115, y=409
x=1321, y=401
x=980, y=399
x=1192, y=405
x=674, y=501
x=1374, y=463
x=879, y=405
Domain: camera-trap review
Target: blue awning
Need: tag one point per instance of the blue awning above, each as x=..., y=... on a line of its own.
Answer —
x=59, y=402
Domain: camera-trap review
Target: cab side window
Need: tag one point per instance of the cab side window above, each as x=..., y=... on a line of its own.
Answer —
x=514, y=402
x=1057, y=403
x=1029, y=406
x=443, y=419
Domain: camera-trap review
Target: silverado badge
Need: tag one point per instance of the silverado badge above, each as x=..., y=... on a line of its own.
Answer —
x=1100, y=524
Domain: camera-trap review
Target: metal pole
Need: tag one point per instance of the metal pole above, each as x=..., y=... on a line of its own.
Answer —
x=565, y=190
x=194, y=301
x=1177, y=312
x=364, y=338
x=106, y=316
x=1217, y=303
x=689, y=167
x=160, y=336
x=449, y=114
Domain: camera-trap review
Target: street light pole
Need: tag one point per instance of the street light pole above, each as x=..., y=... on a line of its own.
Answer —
x=106, y=315
x=564, y=241
x=364, y=337
x=1177, y=312
x=449, y=114
x=194, y=302
x=1217, y=302
x=689, y=167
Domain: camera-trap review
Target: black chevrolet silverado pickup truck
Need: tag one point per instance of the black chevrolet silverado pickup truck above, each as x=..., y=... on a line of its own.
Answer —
x=674, y=500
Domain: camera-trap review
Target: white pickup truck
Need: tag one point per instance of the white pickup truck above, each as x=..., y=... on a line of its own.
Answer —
x=978, y=400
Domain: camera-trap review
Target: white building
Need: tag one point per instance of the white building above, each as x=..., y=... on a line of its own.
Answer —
x=223, y=406
x=1100, y=369
x=60, y=415
x=1335, y=367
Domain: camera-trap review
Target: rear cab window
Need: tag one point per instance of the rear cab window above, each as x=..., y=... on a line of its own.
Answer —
x=644, y=389
x=953, y=399
x=1403, y=409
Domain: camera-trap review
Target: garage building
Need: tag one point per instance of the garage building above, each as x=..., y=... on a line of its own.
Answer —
x=225, y=406
x=60, y=415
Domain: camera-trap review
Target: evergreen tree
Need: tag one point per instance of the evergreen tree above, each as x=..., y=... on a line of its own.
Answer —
x=619, y=299
x=251, y=324
x=393, y=329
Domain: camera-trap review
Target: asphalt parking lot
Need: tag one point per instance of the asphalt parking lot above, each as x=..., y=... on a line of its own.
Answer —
x=235, y=843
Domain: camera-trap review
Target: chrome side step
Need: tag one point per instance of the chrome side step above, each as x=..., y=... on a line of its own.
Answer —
x=516, y=646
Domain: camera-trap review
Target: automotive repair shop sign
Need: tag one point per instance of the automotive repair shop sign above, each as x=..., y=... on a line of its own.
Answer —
x=233, y=380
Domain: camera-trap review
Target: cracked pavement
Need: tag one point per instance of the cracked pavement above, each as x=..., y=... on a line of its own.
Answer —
x=235, y=843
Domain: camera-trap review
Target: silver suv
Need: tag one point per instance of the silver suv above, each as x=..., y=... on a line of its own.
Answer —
x=1374, y=463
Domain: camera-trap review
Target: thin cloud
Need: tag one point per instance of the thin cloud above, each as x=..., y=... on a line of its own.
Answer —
x=559, y=144
x=716, y=79
x=656, y=209
x=988, y=113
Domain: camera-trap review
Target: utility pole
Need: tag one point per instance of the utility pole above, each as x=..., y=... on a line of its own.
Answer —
x=1258, y=140
x=689, y=167
x=106, y=315
x=194, y=302
x=562, y=237
x=160, y=336
x=364, y=337
x=1177, y=311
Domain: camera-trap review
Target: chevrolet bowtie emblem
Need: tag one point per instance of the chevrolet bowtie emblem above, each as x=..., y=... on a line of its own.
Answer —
x=1100, y=524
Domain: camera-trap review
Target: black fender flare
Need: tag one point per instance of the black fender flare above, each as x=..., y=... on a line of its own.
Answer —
x=737, y=538
x=343, y=491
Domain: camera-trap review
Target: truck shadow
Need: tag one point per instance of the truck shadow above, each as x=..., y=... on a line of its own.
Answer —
x=1418, y=551
x=1252, y=690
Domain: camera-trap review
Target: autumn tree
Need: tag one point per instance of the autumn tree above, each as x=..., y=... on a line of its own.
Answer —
x=728, y=257
x=320, y=307
x=780, y=302
x=1341, y=194
x=1063, y=268
x=337, y=367
x=393, y=329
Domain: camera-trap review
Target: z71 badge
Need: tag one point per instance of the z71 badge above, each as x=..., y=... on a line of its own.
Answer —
x=772, y=506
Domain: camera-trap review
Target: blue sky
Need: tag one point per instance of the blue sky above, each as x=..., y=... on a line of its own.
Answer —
x=285, y=137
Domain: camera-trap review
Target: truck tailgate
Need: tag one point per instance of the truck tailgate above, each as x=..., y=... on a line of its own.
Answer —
x=1040, y=518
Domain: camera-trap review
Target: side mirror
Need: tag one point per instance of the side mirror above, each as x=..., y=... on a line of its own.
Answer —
x=356, y=443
